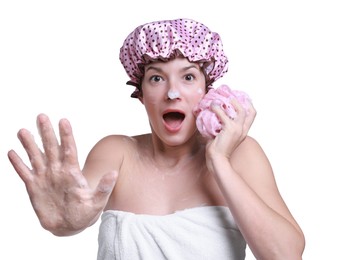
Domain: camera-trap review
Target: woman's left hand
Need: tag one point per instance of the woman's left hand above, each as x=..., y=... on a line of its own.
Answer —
x=233, y=132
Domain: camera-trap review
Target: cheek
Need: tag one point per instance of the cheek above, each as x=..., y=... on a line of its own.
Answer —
x=196, y=97
x=150, y=103
x=151, y=96
x=196, y=92
x=200, y=91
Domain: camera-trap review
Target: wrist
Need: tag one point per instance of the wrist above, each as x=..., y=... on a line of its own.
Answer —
x=217, y=163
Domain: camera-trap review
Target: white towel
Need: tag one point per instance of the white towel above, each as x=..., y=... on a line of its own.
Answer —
x=207, y=232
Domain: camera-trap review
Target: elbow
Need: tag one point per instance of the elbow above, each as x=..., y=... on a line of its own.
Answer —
x=300, y=246
x=293, y=248
x=294, y=251
x=290, y=250
x=297, y=247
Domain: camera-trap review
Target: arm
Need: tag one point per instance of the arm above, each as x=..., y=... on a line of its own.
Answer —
x=61, y=196
x=246, y=180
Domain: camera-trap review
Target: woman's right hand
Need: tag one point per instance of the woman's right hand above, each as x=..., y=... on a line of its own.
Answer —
x=60, y=194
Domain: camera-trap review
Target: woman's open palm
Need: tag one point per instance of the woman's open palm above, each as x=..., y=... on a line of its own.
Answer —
x=58, y=191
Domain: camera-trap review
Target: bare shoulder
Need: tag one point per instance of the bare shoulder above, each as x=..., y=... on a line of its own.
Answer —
x=114, y=142
x=251, y=162
x=117, y=145
x=249, y=145
x=249, y=153
x=108, y=155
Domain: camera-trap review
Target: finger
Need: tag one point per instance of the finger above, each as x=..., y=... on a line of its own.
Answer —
x=251, y=115
x=49, y=140
x=105, y=186
x=34, y=153
x=68, y=144
x=220, y=113
x=239, y=109
x=19, y=166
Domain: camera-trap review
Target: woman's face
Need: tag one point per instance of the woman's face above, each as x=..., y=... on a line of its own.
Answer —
x=170, y=92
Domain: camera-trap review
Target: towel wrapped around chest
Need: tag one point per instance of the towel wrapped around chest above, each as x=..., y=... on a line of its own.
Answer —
x=207, y=232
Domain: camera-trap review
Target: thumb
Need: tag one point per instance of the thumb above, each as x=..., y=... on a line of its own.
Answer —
x=106, y=185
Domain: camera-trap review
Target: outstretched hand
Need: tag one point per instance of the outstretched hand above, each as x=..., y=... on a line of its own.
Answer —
x=58, y=191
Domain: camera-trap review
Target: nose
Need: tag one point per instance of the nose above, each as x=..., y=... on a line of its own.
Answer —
x=173, y=94
x=173, y=88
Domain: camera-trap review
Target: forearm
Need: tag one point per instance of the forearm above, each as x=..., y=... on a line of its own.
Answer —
x=268, y=234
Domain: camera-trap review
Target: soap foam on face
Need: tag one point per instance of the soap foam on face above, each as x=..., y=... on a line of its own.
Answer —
x=173, y=94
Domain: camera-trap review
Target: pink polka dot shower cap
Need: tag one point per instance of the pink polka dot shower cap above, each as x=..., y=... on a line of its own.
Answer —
x=163, y=40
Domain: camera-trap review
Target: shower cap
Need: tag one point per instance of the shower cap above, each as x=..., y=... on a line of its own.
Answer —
x=167, y=39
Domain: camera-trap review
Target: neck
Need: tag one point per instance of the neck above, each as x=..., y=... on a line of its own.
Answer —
x=170, y=156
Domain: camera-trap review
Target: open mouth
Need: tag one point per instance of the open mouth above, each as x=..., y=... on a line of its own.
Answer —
x=173, y=119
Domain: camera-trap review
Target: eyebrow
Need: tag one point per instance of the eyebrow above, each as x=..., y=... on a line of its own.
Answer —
x=193, y=66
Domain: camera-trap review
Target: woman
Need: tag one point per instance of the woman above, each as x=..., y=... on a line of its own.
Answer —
x=171, y=193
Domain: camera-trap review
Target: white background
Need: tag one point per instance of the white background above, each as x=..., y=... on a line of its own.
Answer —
x=61, y=58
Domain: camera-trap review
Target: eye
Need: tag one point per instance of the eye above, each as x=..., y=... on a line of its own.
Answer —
x=156, y=78
x=189, y=77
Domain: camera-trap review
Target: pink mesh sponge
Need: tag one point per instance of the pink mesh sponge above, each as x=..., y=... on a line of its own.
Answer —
x=207, y=122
